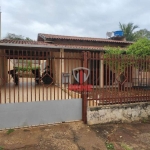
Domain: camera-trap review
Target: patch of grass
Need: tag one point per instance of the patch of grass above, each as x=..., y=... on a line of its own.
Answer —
x=1, y=148
x=10, y=131
x=145, y=120
x=109, y=146
x=126, y=147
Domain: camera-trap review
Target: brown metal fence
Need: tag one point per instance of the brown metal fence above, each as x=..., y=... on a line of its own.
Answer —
x=28, y=75
x=118, y=79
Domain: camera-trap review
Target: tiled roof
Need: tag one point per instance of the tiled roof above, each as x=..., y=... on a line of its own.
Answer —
x=24, y=42
x=46, y=45
x=51, y=36
x=21, y=43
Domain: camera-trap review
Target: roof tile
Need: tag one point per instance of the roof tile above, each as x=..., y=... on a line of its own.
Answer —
x=52, y=36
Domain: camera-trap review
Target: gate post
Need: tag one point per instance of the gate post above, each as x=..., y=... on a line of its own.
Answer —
x=84, y=92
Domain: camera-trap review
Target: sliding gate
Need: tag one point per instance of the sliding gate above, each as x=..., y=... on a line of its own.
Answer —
x=34, y=87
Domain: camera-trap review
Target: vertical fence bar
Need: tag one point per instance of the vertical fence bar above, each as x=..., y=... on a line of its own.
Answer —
x=146, y=78
x=43, y=62
x=84, y=93
x=128, y=81
x=9, y=76
x=22, y=84
x=103, y=59
x=39, y=73
x=58, y=72
x=96, y=67
x=51, y=75
x=13, y=61
x=31, y=56
x=93, y=94
x=46, y=57
x=61, y=74
x=17, y=70
x=100, y=74
x=69, y=79
x=27, y=73
x=34, y=68
x=113, y=87
x=54, y=74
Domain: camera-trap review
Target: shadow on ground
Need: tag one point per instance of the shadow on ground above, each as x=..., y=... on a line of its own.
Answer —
x=126, y=136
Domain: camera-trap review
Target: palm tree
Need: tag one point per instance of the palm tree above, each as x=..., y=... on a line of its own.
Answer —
x=128, y=31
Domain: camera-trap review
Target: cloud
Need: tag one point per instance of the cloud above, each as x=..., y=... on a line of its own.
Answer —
x=71, y=17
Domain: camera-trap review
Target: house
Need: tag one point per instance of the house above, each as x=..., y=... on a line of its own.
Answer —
x=60, y=46
x=99, y=72
x=59, y=56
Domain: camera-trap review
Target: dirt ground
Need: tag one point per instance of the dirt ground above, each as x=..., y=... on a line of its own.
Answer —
x=78, y=136
x=130, y=136
x=65, y=136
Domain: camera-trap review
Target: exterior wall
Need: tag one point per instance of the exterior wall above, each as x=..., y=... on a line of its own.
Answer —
x=71, y=64
x=57, y=68
x=64, y=65
x=88, y=43
x=141, y=75
x=118, y=113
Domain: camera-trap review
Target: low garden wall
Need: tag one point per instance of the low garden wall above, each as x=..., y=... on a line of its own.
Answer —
x=118, y=113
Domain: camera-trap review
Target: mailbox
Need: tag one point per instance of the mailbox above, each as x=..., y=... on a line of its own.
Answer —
x=65, y=78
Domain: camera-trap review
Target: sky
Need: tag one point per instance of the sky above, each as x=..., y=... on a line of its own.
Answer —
x=86, y=18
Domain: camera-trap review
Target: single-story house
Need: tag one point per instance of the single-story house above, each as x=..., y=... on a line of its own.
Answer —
x=62, y=46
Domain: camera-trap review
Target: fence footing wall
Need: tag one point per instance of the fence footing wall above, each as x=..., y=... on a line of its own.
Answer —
x=37, y=113
x=118, y=113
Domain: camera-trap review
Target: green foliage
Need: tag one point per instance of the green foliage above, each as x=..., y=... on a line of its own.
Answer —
x=126, y=147
x=26, y=68
x=109, y=146
x=128, y=30
x=10, y=131
x=143, y=33
x=115, y=59
x=1, y=148
x=28, y=39
x=138, y=51
x=140, y=48
x=12, y=36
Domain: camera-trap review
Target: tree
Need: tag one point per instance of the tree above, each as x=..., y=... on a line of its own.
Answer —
x=141, y=52
x=11, y=36
x=143, y=33
x=128, y=30
x=117, y=62
x=139, y=48
x=136, y=55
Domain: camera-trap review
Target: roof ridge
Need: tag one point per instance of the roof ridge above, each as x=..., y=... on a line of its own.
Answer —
x=54, y=36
